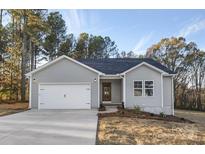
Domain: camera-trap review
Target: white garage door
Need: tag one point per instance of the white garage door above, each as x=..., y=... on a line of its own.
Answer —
x=64, y=96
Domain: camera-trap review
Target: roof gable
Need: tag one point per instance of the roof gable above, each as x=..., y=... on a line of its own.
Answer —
x=144, y=64
x=58, y=59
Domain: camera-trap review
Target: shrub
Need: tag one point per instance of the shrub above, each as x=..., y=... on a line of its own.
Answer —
x=137, y=109
x=102, y=108
x=162, y=114
x=151, y=114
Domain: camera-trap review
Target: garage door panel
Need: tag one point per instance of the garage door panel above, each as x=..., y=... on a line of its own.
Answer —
x=51, y=96
x=67, y=96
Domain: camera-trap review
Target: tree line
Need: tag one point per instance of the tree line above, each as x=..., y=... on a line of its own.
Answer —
x=32, y=36
x=188, y=62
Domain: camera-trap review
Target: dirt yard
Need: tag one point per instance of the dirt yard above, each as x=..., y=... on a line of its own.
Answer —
x=132, y=130
x=10, y=108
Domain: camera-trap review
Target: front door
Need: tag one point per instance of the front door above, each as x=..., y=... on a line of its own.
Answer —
x=106, y=91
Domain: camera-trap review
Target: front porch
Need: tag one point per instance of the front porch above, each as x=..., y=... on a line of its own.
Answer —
x=111, y=90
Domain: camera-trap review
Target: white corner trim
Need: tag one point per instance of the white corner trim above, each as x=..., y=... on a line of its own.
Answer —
x=162, y=91
x=58, y=59
x=30, y=91
x=98, y=91
x=124, y=91
x=148, y=65
x=172, y=90
x=38, y=96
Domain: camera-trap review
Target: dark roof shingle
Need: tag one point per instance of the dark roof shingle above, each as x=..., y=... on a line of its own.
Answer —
x=119, y=65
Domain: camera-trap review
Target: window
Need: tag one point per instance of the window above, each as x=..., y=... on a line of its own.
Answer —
x=145, y=88
x=137, y=88
x=149, y=88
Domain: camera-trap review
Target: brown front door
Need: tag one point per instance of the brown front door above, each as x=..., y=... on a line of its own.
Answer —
x=106, y=91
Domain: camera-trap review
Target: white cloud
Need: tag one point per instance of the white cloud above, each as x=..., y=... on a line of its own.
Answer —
x=79, y=21
x=74, y=21
x=99, y=30
x=140, y=45
x=195, y=26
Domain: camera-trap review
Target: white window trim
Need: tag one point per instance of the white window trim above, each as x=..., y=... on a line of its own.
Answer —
x=143, y=88
x=149, y=88
x=137, y=88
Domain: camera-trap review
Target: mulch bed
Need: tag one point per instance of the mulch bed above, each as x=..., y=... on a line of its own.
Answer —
x=143, y=115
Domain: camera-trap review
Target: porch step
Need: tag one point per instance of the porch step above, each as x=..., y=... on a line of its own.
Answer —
x=109, y=109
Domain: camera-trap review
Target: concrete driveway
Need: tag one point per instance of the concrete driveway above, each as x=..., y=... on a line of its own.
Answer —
x=49, y=127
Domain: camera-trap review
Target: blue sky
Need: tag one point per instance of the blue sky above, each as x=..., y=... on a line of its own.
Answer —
x=138, y=29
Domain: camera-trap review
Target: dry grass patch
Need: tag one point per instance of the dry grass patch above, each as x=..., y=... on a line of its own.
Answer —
x=128, y=130
x=10, y=108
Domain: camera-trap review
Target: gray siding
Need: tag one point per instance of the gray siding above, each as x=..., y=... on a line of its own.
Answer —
x=116, y=90
x=168, y=106
x=61, y=72
x=147, y=103
x=150, y=103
